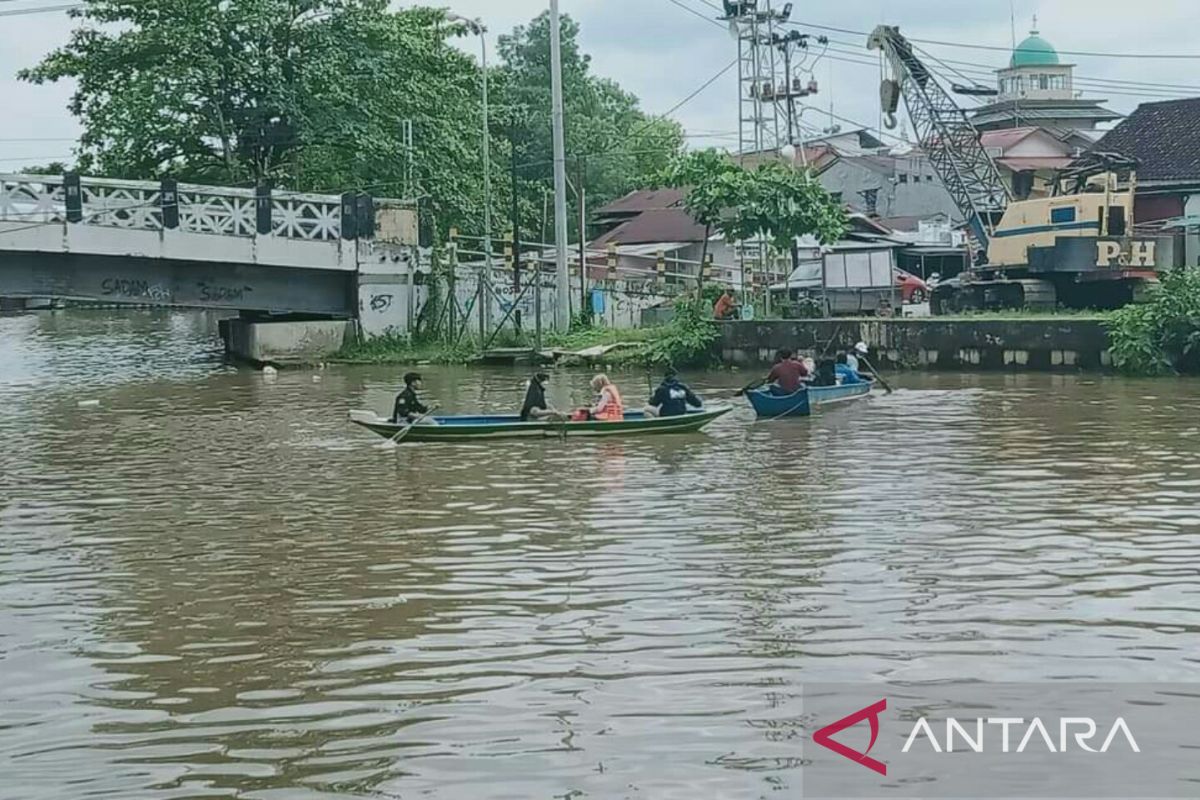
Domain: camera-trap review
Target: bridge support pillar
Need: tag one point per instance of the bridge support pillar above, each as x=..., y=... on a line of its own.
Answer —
x=285, y=343
x=388, y=296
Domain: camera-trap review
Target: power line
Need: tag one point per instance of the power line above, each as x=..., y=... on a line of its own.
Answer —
x=1082, y=80
x=694, y=12
x=20, y=12
x=850, y=57
x=996, y=48
x=1114, y=86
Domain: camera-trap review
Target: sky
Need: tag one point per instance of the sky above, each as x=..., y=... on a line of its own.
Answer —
x=662, y=52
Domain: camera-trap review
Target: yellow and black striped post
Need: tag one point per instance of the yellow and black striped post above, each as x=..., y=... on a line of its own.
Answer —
x=660, y=267
x=612, y=261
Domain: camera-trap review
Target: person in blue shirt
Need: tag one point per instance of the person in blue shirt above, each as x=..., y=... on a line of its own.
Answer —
x=845, y=373
x=672, y=397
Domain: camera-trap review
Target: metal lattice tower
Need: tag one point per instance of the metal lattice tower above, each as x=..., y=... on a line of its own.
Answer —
x=945, y=133
x=762, y=82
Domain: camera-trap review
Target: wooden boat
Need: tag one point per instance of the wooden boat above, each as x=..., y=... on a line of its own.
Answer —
x=469, y=428
x=802, y=402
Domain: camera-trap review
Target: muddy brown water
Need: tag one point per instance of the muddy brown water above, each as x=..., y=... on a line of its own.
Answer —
x=212, y=586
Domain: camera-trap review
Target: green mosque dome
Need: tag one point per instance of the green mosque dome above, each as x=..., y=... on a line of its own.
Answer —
x=1034, y=52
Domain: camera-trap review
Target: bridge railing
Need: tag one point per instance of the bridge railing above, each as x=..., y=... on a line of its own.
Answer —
x=147, y=205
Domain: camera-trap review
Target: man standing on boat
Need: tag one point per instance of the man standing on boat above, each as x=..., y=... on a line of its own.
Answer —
x=535, y=406
x=408, y=406
x=672, y=397
x=860, y=349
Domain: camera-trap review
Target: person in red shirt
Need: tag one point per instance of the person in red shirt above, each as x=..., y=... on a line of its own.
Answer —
x=788, y=374
x=726, y=306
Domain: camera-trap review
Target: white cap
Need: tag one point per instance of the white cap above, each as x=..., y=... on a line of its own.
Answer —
x=861, y=347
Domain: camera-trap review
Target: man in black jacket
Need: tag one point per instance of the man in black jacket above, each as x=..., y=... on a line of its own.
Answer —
x=535, y=406
x=408, y=406
x=672, y=397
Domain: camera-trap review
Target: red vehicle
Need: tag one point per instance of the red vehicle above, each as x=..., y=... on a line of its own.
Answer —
x=912, y=288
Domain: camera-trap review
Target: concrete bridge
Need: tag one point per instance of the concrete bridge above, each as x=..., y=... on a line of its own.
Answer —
x=165, y=243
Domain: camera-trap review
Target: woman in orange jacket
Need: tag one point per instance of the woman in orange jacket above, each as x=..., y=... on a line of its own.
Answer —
x=608, y=407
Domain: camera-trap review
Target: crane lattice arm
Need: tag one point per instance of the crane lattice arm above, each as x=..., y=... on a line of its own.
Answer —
x=945, y=134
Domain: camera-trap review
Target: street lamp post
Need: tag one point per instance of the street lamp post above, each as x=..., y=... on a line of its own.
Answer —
x=476, y=27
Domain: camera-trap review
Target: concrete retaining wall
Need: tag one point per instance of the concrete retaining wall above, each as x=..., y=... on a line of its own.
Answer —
x=293, y=342
x=1065, y=343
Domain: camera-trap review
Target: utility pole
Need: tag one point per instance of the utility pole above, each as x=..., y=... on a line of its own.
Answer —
x=583, y=288
x=516, y=226
x=562, y=306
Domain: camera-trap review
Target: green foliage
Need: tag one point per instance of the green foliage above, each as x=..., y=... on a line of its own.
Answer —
x=1162, y=335
x=773, y=200
x=312, y=94
x=610, y=141
x=402, y=350
x=53, y=168
x=687, y=340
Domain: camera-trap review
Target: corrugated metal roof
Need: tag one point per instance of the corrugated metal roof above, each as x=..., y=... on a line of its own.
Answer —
x=1162, y=137
x=643, y=200
x=661, y=225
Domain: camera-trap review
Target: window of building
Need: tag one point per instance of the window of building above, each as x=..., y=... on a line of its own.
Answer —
x=1062, y=215
x=836, y=196
x=903, y=176
x=1043, y=81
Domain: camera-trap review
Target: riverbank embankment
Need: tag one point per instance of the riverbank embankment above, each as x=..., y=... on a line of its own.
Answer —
x=1062, y=342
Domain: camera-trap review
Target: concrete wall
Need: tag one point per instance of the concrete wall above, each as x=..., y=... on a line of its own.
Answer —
x=1066, y=343
x=304, y=342
x=137, y=281
x=924, y=197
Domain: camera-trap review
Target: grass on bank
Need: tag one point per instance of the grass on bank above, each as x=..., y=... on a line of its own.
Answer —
x=687, y=340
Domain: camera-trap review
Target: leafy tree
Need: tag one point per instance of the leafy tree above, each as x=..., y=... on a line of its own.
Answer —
x=53, y=168
x=307, y=93
x=773, y=201
x=608, y=137
x=312, y=95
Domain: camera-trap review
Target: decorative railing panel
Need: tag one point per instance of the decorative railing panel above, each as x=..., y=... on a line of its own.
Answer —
x=137, y=205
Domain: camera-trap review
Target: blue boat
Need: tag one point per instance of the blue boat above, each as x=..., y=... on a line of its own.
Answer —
x=802, y=402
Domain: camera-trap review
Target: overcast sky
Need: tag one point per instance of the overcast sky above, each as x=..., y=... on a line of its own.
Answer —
x=662, y=53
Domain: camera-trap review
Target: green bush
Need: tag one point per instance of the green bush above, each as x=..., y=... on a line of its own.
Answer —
x=1162, y=335
x=686, y=341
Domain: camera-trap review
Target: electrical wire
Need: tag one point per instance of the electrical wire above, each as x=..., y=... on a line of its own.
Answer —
x=20, y=12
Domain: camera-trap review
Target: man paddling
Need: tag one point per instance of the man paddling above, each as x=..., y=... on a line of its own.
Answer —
x=788, y=374
x=672, y=397
x=409, y=407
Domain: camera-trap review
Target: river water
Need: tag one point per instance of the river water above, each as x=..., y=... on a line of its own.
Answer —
x=212, y=586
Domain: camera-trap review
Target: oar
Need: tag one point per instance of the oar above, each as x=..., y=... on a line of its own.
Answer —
x=749, y=387
x=875, y=372
x=400, y=434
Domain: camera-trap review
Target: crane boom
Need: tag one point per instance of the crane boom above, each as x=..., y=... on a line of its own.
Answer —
x=945, y=134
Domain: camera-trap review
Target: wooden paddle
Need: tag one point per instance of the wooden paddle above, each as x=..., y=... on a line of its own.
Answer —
x=875, y=372
x=749, y=387
x=400, y=434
